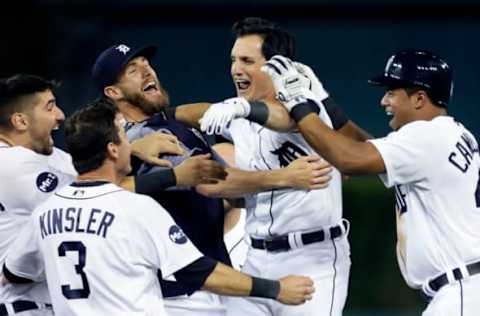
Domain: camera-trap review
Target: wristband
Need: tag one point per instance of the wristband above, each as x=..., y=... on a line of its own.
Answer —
x=258, y=112
x=154, y=182
x=336, y=113
x=265, y=288
x=301, y=110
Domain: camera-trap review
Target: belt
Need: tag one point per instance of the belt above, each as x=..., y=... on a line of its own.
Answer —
x=442, y=280
x=281, y=243
x=20, y=306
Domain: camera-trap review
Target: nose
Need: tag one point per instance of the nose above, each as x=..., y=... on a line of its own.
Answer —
x=236, y=68
x=384, y=100
x=59, y=115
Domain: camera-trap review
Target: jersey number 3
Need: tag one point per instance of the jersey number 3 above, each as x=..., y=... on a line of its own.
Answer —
x=79, y=247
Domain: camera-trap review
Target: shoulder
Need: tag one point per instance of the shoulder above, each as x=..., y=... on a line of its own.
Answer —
x=139, y=204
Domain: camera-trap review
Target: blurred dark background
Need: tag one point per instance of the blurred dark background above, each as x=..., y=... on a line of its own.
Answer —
x=344, y=41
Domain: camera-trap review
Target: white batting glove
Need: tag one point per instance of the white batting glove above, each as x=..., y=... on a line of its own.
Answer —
x=310, y=81
x=220, y=115
x=287, y=81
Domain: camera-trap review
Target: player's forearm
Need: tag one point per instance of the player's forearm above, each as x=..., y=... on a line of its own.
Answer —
x=353, y=131
x=227, y=281
x=278, y=118
x=191, y=113
x=348, y=155
x=240, y=183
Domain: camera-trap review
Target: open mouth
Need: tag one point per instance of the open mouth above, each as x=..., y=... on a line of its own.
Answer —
x=242, y=85
x=150, y=88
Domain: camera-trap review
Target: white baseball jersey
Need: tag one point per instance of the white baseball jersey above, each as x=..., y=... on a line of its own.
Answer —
x=236, y=242
x=100, y=248
x=278, y=212
x=434, y=166
x=27, y=179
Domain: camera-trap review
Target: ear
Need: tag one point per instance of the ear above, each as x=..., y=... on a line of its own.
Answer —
x=20, y=121
x=113, y=92
x=420, y=99
x=112, y=151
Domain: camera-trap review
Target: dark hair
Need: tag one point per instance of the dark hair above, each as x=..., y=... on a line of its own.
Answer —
x=275, y=40
x=14, y=89
x=410, y=90
x=88, y=132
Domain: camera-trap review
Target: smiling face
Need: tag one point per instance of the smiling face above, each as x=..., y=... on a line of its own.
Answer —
x=247, y=59
x=400, y=105
x=44, y=116
x=141, y=88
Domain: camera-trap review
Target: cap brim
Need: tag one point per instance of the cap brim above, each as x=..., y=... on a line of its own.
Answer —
x=146, y=51
x=384, y=81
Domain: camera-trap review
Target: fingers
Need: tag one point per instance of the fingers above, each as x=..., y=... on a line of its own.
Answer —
x=311, y=158
x=160, y=162
x=320, y=170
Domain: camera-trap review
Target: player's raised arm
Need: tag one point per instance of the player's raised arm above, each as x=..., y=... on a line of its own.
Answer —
x=348, y=155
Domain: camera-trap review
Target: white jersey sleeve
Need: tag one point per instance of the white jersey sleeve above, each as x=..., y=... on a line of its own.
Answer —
x=404, y=154
x=162, y=242
x=24, y=257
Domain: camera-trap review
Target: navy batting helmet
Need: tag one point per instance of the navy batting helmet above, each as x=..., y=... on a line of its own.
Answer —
x=418, y=68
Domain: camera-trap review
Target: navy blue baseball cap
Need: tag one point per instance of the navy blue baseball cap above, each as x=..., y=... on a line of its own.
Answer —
x=111, y=62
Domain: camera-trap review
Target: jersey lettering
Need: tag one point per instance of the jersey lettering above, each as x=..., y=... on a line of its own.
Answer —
x=462, y=157
x=59, y=221
x=79, y=247
x=288, y=152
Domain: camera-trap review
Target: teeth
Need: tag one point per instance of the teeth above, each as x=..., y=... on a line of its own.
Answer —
x=149, y=85
x=389, y=113
x=242, y=84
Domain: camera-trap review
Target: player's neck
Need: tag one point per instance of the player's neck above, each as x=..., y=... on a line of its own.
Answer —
x=101, y=174
x=17, y=139
x=7, y=140
x=131, y=113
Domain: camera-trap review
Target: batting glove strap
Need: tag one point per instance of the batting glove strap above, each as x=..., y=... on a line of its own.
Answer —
x=265, y=288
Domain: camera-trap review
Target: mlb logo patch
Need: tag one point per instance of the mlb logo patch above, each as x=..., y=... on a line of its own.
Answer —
x=47, y=182
x=177, y=235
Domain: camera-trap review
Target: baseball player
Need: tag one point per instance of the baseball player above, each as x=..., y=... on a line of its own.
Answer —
x=99, y=246
x=124, y=74
x=33, y=169
x=288, y=229
x=430, y=159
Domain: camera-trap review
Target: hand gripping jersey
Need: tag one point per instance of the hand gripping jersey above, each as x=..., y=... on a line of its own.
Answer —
x=27, y=179
x=434, y=167
x=99, y=248
x=201, y=218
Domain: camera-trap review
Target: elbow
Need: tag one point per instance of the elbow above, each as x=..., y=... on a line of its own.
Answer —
x=350, y=166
